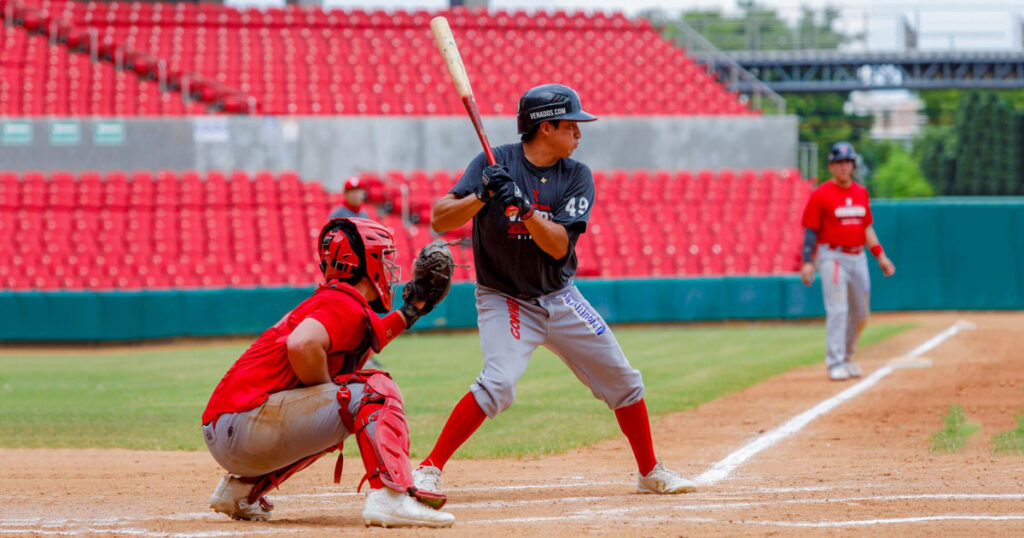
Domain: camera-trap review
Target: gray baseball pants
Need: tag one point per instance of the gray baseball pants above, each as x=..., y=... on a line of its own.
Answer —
x=565, y=323
x=846, y=289
x=289, y=426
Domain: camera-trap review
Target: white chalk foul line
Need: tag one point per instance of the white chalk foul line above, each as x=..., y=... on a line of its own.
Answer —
x=671, y=505
x=561, y=485
x=889, y=521
x=145, y=533
x=722, y=469
x=731, y=521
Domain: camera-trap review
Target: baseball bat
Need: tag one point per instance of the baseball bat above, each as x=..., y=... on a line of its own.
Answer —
x=450, y=51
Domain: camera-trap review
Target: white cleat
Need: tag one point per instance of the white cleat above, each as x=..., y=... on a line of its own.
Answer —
x=852, y=368
x=838, y=373
x=427, y=478
x=389, y=508
x=231, y=498
x=663, y=481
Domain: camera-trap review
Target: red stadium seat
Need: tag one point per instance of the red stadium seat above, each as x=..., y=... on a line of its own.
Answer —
x=398, y=76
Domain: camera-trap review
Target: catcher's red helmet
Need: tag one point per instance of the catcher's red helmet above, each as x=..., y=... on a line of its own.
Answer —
x=351, y=249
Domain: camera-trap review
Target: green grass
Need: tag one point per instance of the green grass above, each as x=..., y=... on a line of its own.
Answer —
x=953, y=436
x=152, y=400
x=1010, y=441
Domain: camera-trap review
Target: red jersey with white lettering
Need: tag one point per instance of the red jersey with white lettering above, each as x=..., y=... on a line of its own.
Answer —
x=264, y=368
x=839, y=215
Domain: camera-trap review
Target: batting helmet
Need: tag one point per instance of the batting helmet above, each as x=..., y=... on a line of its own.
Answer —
x=842, y=151
x=549, y=102
x=351, y=249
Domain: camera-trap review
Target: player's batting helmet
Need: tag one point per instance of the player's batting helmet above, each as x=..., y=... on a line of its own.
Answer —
x=351, y=249
x=549, y=102
x=842, y=151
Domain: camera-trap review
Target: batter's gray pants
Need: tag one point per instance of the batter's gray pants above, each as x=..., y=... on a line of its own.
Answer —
x=565, y=323
x=846, y=289
x=289, y=426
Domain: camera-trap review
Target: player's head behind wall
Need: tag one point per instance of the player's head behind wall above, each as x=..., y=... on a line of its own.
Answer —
x=353, y=249
x=355, y=192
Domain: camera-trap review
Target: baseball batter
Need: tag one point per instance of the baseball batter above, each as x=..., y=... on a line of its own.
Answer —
x=298, y=391
x=525, y=294
x=838, y=229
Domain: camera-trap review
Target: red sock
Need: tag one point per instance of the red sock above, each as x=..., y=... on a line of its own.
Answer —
x=636, y=426
x=464, y=420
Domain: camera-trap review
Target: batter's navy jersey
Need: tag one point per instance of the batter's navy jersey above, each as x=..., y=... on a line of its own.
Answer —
x=507, y=259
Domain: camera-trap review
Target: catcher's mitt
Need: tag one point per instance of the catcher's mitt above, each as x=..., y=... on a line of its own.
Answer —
x=432, y=270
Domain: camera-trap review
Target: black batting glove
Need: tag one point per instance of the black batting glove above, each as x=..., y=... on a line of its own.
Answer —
x=510, y=195
x=494, y=177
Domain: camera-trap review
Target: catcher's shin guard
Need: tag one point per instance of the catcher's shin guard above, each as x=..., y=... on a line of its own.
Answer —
x=383, y=436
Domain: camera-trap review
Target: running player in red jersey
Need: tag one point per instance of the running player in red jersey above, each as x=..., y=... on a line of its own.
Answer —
x=838, y=229
x=299, y=390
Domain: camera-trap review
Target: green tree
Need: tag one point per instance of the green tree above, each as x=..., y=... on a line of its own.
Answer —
x=935, y=151
x=940, y=106
x=759, y=27
x=824, y=121
x=899, y=176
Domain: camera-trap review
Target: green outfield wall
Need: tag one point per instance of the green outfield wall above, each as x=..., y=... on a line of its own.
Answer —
x=950, y=254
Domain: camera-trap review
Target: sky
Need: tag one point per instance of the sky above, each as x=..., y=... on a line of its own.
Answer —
x=943, y=24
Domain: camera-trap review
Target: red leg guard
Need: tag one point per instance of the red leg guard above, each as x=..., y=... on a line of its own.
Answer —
x=383, y=436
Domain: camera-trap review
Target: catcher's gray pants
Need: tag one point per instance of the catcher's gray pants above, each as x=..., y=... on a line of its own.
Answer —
x=846, y=288
x=289, y=426
x=565, y=323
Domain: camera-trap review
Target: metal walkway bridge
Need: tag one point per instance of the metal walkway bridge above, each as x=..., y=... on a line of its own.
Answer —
x=835, y=71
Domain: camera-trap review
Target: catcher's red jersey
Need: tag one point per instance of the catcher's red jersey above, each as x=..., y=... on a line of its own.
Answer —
x=839, y=215
x=264, y=368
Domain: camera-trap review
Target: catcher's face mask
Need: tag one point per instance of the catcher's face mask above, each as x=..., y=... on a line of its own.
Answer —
x=392, y=271
x=373, y=244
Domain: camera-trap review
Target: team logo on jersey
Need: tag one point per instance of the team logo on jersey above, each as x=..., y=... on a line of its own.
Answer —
x=852, y=211
x=543, y=180
x=513, y=318
x=593, y=321
x=849, y=201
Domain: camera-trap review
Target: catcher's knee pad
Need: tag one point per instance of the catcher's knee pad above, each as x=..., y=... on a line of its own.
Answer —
x=383, y=434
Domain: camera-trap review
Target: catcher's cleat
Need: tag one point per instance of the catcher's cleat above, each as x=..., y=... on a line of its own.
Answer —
x=231, y=498
x=852, y=368
x=427, y=478
x=838, y=373
x=663, y=481
x=389, y=508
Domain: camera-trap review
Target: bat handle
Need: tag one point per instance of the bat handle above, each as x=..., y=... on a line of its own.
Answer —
x=474, y=115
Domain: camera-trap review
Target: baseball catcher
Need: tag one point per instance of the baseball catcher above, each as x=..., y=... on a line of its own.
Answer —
x=300, y=390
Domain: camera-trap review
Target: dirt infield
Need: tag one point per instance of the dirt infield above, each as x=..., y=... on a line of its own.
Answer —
x=863, y=467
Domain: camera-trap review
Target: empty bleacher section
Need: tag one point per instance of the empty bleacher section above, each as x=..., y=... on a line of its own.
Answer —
x=43, y=75
x=307, y=61
x=153, y=230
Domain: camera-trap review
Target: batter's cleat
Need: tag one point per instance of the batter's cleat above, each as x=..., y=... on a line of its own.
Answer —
x=427, y=478
x=838, y=373
x=389, y=508
x=852, y=368
x=663, y=481
x=231, y=498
